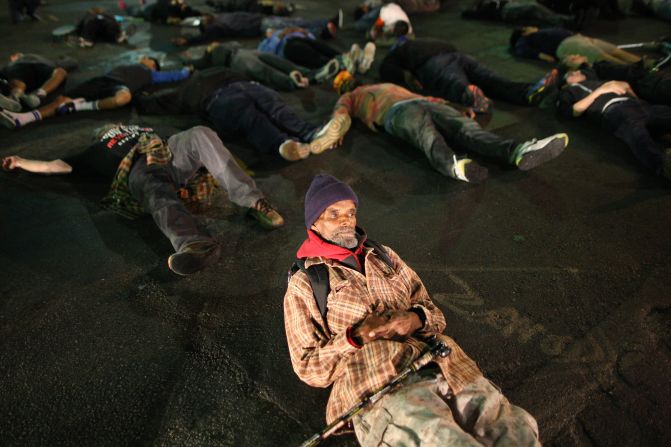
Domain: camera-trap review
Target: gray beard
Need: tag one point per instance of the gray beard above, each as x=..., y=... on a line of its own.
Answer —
x=345, y=240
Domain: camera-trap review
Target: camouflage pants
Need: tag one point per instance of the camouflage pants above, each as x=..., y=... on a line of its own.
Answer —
x=422, y=412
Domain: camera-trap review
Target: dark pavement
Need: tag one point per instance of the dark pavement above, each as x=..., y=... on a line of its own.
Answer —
x=555, y=280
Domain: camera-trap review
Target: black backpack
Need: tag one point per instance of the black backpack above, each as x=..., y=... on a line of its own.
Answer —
x=318, y=274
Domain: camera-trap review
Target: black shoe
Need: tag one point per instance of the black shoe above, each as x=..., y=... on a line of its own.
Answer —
x=194, y=257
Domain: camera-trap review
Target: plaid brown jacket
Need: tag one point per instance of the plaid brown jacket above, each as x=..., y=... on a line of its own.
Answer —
x=320, y=353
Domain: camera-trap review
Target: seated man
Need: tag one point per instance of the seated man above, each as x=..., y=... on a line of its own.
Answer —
x=517, y=13
x=150, y=175
x=113, y=90
x=31, y=78
x=615, y=105
x=652, y=86
x=235, y=105
x=553, y=44
x=247, y=24
x=436, y=68
x=431, y=125
x=376, y=323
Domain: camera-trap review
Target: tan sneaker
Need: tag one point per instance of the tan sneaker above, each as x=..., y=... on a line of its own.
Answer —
x=329, y=135
x=267, y=216
x=194, y=257
x=292, y=150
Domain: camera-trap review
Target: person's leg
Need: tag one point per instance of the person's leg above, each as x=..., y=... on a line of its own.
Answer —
x=254, y=65
x=466, y=134
x=629, y=122
x=532, y=14
x=200, y=146
x=13, y=120
x=412, y=122
x=154, y=186
x=491, y=83
x=234, y=112
x=272, y=104
x=481, y=410
x=416, y=413
x=308, y=52
x=443, y=76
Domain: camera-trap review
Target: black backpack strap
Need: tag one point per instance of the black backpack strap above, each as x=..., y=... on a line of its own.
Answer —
x=380, y=251
x=318, y=275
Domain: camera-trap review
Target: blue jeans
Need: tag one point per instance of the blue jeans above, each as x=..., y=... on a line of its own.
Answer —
x=259, y=114
x=435, y=128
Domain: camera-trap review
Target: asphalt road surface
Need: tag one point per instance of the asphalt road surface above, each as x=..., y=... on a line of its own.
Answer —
x=555, y=280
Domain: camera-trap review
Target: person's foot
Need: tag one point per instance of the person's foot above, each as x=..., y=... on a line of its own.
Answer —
x=68, y=106
x=292, y=150
x=9, y=103
x=353, y=57
x=30, y=101
x=480, y=103
x=533, y=153
x=266, y=214
x=8, y=121
x=545, y=85
x=329, y=136
x=194, y=257
x=84, y=43
x=468, y=170
x=328, y=71
x=367, y=57
x=298, y=79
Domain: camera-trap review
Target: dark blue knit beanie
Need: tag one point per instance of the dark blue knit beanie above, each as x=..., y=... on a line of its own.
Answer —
x=324, y=191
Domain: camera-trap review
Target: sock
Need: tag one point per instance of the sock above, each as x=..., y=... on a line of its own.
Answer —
x=22, y=119
x=85, y=105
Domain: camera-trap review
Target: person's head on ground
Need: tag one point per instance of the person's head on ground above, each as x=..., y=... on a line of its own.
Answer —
x=574, y=77
x=401, y=28
x=150, y=62
x=330, y=210
x=344, y=82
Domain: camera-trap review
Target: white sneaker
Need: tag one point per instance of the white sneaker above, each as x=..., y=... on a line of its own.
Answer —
x=355, y=54
x=9, y=103
x=367, y=58
x=533, y=153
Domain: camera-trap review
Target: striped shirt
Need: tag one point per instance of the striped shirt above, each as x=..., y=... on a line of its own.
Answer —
x=320, y=353
x=370, y=103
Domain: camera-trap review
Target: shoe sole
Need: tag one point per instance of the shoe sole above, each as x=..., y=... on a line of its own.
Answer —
x=368, y=58
x=9, y=104
x=8, y=122
x=210, y=259
x=331, y=136
x=548, y=152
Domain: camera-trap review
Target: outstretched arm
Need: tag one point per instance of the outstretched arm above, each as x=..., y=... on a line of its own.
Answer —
x=37, y=166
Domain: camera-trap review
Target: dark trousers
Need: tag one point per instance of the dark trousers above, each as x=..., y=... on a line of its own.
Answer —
x=309, y=53
x=448, y=75
x=99, y=28
x=634, y=122
x=653, y=87
x=259, y=114
x=436, y=128
x=154, y=186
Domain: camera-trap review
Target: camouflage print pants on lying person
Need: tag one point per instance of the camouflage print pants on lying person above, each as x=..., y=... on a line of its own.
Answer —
x=422, y=412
